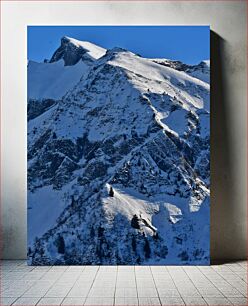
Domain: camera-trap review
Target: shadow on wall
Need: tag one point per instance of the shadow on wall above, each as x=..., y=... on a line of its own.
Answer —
x=223, y=226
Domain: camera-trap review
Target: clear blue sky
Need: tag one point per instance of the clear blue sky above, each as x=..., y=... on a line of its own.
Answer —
x=189, y=44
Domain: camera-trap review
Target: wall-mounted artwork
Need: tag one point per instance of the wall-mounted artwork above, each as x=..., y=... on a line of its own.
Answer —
x=118, y=145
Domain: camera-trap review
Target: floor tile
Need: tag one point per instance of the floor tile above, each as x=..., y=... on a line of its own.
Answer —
x=130, y=285
x=210, y=292
x=126, y=292
x=7, y=300
x=73, y=301
x=238, y=301
x=194, y=301
x=104, y=283
x=165, y=292
x=126, y=269
x=26, y=301
x=147, y=292
x=12, y=293
x=102, y=292
x=50, y=301
x=108, y=268
x=79, y=291
x=217, y=301
x=166, y=301
x=149, y=301
x=189, y=292
x=126, y=283
x=142, y=282
x=230, y=292
x=99, y=301
x=126, y=276
x=75, y=269
x=162, y=276
x=122, y=301
x=165, y=284
x=58, y=291
x=37, y=290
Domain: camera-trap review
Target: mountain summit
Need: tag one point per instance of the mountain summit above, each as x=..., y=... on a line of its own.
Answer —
x=52, y=79
x=118, y=162
x=72, y=50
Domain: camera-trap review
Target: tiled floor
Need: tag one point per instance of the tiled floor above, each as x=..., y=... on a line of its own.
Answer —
x=123, y=285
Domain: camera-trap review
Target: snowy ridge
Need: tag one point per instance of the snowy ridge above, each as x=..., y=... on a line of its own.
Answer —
x=72, y=50
x=200, y=71
x=125, y=151
x=93, y=50
x=51, y=80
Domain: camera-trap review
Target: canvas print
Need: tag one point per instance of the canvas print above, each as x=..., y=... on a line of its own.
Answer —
x=118, y=145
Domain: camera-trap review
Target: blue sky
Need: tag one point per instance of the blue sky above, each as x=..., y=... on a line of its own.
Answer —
x=189, y=44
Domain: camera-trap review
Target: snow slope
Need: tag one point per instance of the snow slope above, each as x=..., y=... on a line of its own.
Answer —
x=46, y=211
x=200, y=71
x=134, y=126
x=51, y=80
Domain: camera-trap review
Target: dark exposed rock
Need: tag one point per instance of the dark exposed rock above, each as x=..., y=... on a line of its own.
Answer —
x=38, y=107
x=70, y=53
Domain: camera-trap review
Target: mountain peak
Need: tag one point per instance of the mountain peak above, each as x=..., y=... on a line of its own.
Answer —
x=72, y=50
x=205, y=63
x=118, y=156
x=118, y=49
x=65, y=39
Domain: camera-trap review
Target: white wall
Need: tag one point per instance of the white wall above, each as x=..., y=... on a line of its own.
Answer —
x=228, y=124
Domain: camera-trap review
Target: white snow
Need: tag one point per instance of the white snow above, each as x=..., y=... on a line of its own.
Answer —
x=53, y=80
x=44, y=207
x=40, y=124
x=177, y=121
x=207, y=62
x=200, y=75
x=129, y=202
x=164, y=79
x=93, y=50
x=175, y=213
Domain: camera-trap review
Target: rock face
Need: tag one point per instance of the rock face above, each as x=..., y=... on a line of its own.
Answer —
x=70, y=53
x=72, y=50
x=118, y=167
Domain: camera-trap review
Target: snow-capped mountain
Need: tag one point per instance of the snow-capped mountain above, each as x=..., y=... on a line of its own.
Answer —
x=200, y=71
x=118, y=158
x=52, y=79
